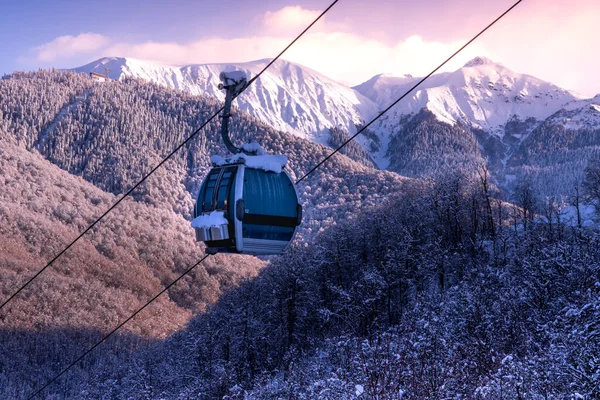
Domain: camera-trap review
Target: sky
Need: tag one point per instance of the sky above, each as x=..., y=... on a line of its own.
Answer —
x=554, y=40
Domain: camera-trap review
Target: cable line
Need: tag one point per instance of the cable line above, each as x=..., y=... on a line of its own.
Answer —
x=408, y=92
x=299, y=180
x=117, y=328
x=162, y=162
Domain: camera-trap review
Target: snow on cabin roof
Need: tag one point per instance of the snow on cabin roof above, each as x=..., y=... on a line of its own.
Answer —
x=266, y=162
x=260, y=159
x=254, y=147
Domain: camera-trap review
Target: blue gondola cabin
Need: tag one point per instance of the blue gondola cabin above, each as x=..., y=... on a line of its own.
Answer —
x=248, y=205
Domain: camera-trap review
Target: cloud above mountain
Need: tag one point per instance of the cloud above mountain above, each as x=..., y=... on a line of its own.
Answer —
x=69, y=46
x=548, y=39
x=329, y=48
x=292, y=18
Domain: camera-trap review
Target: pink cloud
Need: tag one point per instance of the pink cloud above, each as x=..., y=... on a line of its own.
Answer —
x=548, y=39
x=66, y=46
x=292, y=18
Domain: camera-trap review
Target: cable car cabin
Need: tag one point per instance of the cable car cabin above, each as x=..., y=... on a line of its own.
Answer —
x=246, y=210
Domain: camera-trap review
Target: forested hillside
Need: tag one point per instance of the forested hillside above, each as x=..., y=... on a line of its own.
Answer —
x=120, y=264
x=99, y=282
x=550, y=155
x=556, y=152
x=440, y=292
x=422, y=146
x=396, y=288
x=111, y=134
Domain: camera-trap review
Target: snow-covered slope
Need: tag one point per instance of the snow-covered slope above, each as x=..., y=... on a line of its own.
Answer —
x=287, y=96
x=482, y=94
x=579, y=114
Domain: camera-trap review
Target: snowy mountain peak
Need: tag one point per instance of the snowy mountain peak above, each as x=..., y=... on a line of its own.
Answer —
x=483, y=94
x=391, y=75
x=478, y=61
x=120, y=67
x=288, y=96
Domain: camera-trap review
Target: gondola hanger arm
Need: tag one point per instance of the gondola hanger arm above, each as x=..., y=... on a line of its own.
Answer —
x=233, y=82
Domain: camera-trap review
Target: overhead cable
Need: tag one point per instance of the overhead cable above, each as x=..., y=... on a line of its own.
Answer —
x=361, y=130
x=298, y=181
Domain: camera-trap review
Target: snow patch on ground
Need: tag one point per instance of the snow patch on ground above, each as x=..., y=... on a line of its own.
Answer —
x=588, y=214
x=359, y=389
x=568, y=216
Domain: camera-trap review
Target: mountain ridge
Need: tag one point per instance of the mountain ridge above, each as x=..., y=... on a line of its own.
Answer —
x=489, y=110
x=288, y=96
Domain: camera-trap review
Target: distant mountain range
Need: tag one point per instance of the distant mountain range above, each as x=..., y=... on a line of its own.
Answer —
x=482, y=94
x=499, y=108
